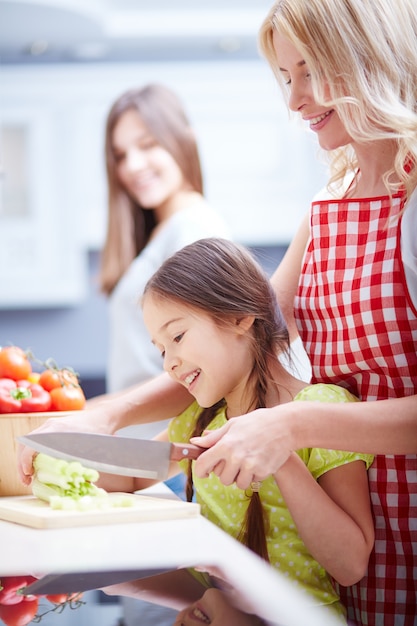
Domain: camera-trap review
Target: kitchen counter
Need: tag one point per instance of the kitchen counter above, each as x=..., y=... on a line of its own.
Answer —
x=152, y=546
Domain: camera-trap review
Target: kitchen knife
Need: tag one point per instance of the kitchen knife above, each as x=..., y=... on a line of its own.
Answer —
x=112, y=454
x=86, y=581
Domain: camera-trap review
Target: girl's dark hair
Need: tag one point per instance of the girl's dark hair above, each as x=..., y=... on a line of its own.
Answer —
x=224, y=280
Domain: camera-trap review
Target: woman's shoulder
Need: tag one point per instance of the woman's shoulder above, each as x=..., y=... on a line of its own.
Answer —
x=192, y=223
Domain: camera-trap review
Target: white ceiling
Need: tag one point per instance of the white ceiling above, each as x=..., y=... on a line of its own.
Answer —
x=53, y=31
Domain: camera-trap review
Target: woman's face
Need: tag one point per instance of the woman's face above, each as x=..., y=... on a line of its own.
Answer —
x=147, y=171
x=322, y=120
x=213, y=608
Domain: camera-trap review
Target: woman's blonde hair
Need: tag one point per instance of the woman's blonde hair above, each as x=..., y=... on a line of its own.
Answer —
x=128, y=225
x=365, y=53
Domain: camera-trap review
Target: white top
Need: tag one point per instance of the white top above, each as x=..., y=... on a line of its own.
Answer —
x=132, y=358
x=409, y=246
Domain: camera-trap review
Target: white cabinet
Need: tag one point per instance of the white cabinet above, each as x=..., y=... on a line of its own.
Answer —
x=41, y=260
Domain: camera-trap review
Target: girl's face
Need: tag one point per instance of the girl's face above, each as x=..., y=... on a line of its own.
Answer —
x=210, y=361
x=147, y=171
x=322, y=120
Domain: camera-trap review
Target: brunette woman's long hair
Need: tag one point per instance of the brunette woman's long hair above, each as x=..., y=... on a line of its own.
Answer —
x=128, y=225
x=224, y=280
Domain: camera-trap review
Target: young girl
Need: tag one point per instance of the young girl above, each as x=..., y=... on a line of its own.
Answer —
x=212, y=314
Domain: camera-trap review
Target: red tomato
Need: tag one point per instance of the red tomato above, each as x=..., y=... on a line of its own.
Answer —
x=19, y=614
x=67, y=398
x=60, y=598
x=53, y=378
x=14, y=363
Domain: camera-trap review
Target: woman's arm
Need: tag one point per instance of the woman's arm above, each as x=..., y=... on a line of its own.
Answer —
x=255, y=445
x=155, y=400
x=333, y=516
x=286, y=277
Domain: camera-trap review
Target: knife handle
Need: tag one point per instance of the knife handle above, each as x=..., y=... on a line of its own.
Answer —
x=180, y=451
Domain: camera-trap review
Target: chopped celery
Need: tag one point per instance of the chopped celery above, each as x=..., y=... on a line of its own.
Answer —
x=70, y=486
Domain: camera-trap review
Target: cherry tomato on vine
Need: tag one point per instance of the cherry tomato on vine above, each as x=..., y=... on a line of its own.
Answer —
x=60, y=598
x=54, y=378
x=67, y=398
x=14, y=363
x=19, y=614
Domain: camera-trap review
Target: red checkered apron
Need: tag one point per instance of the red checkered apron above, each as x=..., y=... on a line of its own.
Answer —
x=359, y=327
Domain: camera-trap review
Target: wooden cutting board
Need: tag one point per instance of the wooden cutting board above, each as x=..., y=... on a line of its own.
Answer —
x=31, y=511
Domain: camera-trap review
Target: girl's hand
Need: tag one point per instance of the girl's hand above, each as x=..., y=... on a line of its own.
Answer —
x=248, y=448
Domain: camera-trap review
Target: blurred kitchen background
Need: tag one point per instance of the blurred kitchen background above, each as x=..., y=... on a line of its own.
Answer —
x=62, y=63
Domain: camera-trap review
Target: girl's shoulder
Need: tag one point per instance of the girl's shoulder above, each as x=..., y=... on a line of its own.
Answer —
x=320, y=460
x=181, y=427
x=324, y=392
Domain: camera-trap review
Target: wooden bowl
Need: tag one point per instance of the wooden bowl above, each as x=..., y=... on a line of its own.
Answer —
x=13, y=425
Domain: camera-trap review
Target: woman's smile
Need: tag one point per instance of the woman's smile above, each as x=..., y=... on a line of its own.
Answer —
x=319, y=121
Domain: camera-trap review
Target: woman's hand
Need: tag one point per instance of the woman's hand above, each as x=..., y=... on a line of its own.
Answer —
x=215, y=609
x=248, y=448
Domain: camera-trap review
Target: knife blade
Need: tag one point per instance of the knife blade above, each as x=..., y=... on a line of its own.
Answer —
x=86, y=581
x=126, y=456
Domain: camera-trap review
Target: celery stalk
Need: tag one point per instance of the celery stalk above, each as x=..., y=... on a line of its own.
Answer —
x=70, y=486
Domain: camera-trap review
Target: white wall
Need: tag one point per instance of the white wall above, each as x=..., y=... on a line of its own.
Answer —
x=260, y=168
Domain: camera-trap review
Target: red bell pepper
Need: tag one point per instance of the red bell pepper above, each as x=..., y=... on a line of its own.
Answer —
x=22, y=396
x=10, y=587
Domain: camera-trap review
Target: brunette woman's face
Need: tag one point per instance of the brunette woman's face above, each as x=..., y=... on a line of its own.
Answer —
x=322, y=120
x=147, y=171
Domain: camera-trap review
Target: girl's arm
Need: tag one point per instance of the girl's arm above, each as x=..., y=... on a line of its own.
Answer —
x=333, y=516
x=255, y=445
x=155, y=400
